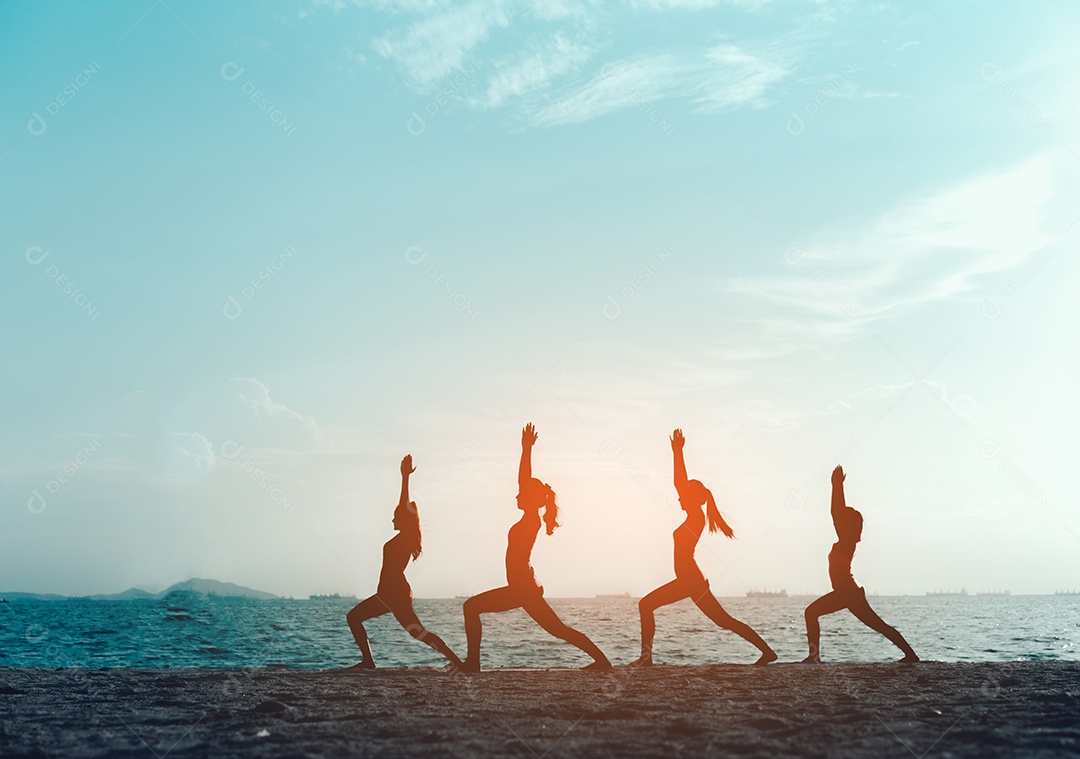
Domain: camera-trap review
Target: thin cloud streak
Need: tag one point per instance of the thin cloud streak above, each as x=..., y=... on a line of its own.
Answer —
x=922, y=251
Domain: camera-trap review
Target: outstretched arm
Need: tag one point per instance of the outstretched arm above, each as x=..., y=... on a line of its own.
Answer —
x=406, y=469
x=838, y=503
x=528, y=438
x=677, y=443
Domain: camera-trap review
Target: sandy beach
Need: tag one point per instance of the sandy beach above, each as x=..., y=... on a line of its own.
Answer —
x=843, y=710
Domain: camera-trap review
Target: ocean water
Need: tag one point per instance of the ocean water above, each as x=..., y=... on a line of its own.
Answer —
x=187, y=630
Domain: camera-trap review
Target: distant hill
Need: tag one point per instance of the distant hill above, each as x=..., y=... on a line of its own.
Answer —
x=18, y=596
x=128, y=595
x=215, y=588
x=196, y=585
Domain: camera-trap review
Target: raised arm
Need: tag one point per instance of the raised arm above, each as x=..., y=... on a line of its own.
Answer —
x=406, y=469
x=677, y=443
x=838, y=503
x=528, y=438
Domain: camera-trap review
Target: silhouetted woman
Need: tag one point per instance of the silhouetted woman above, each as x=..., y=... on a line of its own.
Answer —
x=394, y=594
x=521, y=589
x=846, y=593
x=689, y=580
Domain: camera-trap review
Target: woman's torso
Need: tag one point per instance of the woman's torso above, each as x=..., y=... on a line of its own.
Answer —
x=519, y=545
x=686, y=538
x=840, y=556
x=396, y=555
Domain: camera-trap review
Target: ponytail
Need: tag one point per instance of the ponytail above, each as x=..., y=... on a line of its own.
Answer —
x=716, y=520
x=413, y=533
x=551, y=509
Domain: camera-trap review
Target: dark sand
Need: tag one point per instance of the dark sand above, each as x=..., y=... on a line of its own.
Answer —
x=845, y=710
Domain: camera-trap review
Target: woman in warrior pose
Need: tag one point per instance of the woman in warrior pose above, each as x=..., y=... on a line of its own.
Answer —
x=394, y=594
x=846, y=593
x=521, y=589
x=689, y=580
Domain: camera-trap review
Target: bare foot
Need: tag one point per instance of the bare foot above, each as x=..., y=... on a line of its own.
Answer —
x=365, y=664
x=469, y=665
x=909, y=659
x=767, y=657
x=812, y=659
x=605, y=664
x=641, y=661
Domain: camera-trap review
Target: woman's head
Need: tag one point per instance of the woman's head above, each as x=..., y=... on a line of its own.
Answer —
x=407, y=522
x=539, y=495
x=694, y=495
x=849, y=524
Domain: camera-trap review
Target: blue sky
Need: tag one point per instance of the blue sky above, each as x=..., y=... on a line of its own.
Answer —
x=254, y=256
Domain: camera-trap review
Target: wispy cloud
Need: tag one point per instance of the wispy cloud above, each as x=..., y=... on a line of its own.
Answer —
x=719, y=78
x=758, y=415
x=962, y=406
x=438, y=45
x=540, y=80
x=735, y=76
x=926, y=249
x=244, y=411
x=536, y=69
x=618, y=85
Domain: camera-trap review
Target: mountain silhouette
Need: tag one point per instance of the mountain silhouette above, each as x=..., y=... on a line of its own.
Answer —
x=204, y=587
x=196, y=585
